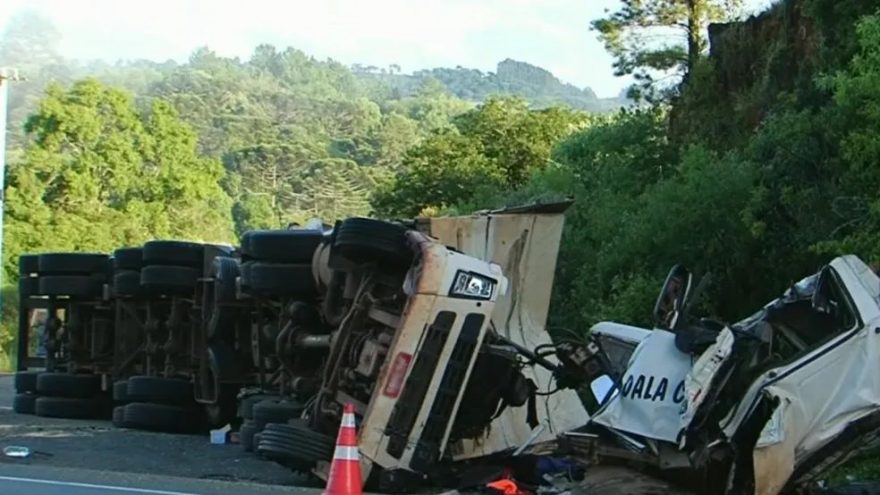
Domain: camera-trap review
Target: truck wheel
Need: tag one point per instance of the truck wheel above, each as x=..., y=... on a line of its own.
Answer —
x=28, y=264
x=225, y=272
x=246, y=436
x=71, y=285
x=73, y=263
x=305, y=446
x=28, y=286
x=128, y=258
x=175, y=253
x=275, y=279
x=171, y=280
x=614, y=480
x=161, y=417
x=127, y=283
x=25, y=403
x=246, y=405
x=75, y=386
x=26, y=381
x=159, y=390
x=282, y=246
x=64, y=407
x=275, y=411
x=272, y=450
x=120, y=391
x=364, y=240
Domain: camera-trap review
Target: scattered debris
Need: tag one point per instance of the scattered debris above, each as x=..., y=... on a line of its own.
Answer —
x=220, y=435
x=16, y=451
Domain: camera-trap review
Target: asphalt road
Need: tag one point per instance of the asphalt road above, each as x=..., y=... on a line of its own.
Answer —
x=73, y=457
x=31, y=480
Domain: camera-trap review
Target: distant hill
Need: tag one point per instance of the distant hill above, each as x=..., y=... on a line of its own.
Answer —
x=538, y=86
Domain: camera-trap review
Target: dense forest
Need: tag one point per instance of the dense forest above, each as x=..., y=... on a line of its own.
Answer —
x=753, y=155
x=538, y=86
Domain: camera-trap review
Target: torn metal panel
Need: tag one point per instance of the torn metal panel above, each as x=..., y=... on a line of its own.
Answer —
x=526, y=247
x=652, y=390
x=774, y=458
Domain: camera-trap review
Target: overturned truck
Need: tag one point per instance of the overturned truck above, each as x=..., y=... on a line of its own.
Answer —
x=422, y=328
x=421, y=325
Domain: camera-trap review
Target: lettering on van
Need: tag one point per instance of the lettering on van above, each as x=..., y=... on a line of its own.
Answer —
x=651, y=388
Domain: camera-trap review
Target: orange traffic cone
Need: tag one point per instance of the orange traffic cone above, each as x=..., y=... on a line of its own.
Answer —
x=345, y=470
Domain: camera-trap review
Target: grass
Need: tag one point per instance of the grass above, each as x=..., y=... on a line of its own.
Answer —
x=865, y=467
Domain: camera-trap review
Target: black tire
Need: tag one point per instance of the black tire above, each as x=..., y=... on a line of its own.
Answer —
x=26, y=381
x=171, y=280
x=176, y=253
x=364, y=240
x=28, y=264
x=275, y=411
x=120, y=391
x=299, y=454
x=28, y=286
x=73, y=263
x=274, y=451
x=119, y=416
x=25, y=403
x=155, y=390
x=246, y=405
x=161, y=417
x=127, y=283
x=305, y=446
x=281, y=246
x=63, y=407
x=75, y=386
x=246, y=436
x=277, y=280
x=128, y=258
x=225, y=272
x=614, y=480
x=72, y=285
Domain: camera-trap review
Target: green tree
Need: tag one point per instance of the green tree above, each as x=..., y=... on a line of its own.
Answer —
x=98, y=174
x=649, y=37
x=857, y=95
x=397, y=134
x=446, y=169
x=494, y=147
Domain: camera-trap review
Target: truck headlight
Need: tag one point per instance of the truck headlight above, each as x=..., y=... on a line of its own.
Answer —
x=471, y=285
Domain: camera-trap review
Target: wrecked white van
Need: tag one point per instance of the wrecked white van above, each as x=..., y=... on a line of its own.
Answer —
x=767, y=405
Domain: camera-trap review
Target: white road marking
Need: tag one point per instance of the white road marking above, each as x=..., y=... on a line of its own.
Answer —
x=91, y=486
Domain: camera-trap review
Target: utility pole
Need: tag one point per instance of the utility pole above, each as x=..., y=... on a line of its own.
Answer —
x=7, y=75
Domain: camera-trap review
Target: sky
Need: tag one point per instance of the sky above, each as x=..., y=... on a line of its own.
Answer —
x=414, y=34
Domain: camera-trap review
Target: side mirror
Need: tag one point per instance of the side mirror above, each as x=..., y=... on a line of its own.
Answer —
x=673, y=298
